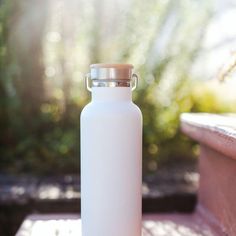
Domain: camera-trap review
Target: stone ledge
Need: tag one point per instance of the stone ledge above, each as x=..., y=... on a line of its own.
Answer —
x=215, y=131
x=217, y=166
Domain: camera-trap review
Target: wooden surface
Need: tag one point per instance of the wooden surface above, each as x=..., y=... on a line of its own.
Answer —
x=153, y=225
x=216, y=131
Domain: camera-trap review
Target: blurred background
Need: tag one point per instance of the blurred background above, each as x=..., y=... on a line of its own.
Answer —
x=184, y=52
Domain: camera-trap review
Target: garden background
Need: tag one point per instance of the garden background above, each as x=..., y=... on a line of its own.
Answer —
x=178, y=48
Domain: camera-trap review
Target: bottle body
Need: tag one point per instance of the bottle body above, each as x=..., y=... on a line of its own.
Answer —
x=111, y=164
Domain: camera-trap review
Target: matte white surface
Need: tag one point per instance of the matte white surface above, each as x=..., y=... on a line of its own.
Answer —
x=111, y=164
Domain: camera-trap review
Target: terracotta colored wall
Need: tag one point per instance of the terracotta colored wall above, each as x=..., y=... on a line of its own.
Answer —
x=217, y=190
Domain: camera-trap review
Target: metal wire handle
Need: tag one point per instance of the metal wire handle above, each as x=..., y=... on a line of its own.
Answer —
x=87, y=77
x=135, y=79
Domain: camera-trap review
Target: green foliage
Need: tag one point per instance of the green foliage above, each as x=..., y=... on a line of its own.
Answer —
x=40, y=106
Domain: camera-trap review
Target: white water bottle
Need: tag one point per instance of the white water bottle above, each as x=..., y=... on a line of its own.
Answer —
x=111, y=154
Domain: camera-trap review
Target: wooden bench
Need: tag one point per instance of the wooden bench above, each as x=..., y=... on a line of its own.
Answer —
x=156, y=224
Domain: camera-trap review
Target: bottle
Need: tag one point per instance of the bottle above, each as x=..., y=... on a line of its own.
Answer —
x=111, y=154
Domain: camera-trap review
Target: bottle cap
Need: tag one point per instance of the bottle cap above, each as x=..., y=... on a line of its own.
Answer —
x=111, y=71
x=111, y=75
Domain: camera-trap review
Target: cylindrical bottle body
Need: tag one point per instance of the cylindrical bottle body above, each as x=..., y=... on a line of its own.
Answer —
x=111, y=166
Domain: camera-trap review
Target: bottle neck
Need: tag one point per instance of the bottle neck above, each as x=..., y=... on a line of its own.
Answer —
x=111, y=94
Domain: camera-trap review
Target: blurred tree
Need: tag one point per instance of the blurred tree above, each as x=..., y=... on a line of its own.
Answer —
x=8, y=69
x=4, y=62
x=27, y=29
